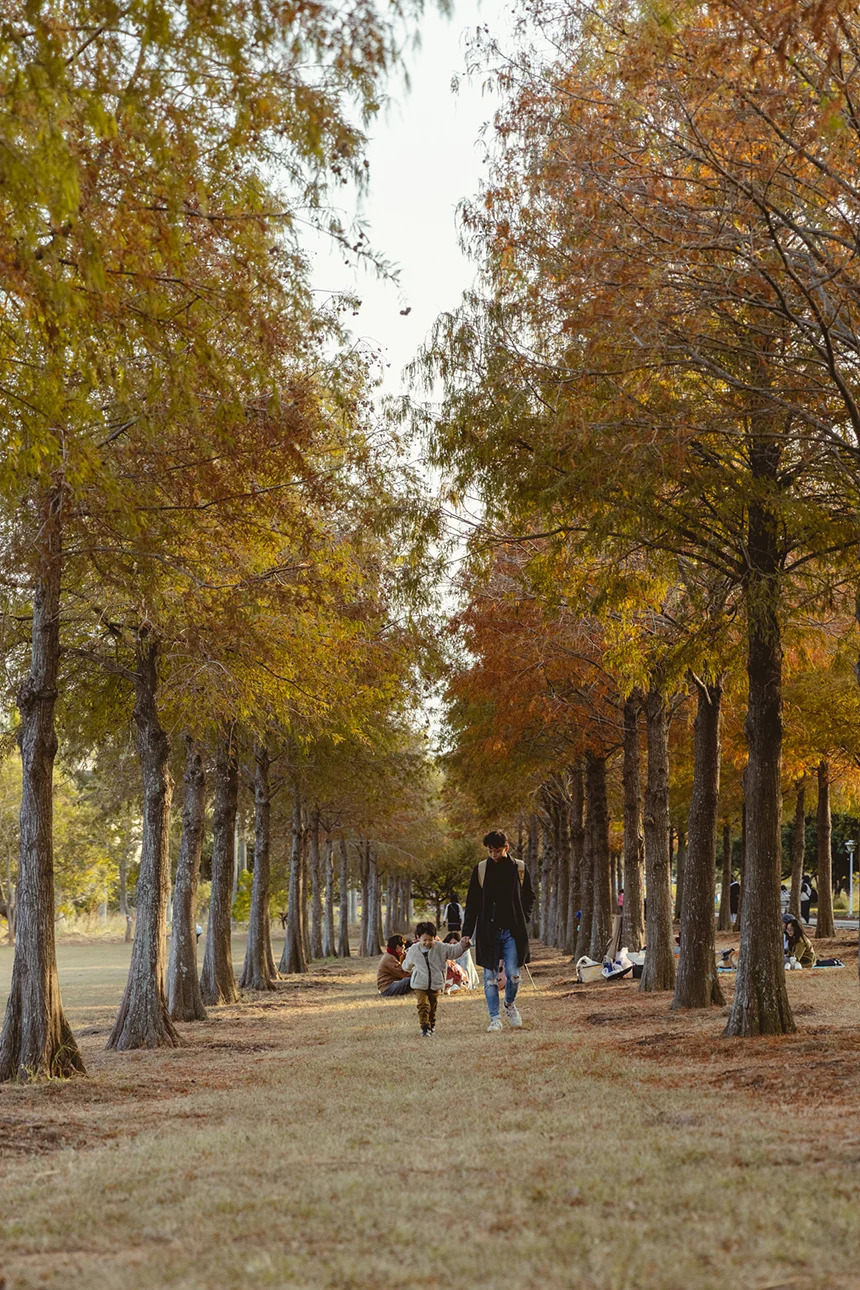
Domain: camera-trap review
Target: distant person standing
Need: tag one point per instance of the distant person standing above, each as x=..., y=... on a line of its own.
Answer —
x=454, y=914
x=498, y=908
x=805, y=897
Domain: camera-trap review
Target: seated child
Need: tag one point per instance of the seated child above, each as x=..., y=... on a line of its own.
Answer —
x=455, y=976
x=428, y=959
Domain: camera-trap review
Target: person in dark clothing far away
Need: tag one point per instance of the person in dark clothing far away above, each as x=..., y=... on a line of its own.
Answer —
x=454, y=913
x=498, y=907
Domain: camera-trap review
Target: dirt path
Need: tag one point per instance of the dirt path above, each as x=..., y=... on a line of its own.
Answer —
x=312, y=1139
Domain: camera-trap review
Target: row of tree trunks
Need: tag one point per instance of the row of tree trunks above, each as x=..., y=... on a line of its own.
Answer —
x=760, y=1004
x=184, y=1000
x=316, y=945
x=577, y=838
x=217, y=983
x=343, y=929
x=724, y=922
x=293, y=956
x=36, y=1039
x=824, y=926
x=143, y=1020
x=329, y=944
x=601, y=893
x=658, y=972
x=632, y=922
x=259, y=971
x=797, y=847
x=697, y=985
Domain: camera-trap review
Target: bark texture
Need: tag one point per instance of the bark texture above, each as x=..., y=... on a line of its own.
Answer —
x=258, y=969
x=37, y=1041
x=697, y=985
x=143, y=1020
x=315, y=871
x=586, y=886
x=577, y=836
x=760, y=1005
x=184, y=1000
x=343, y=932
x=633, y=917
x=217, y=983
x=293, y=956
x=329, y=945
x=824, y=925
x=601, y=891
x=659, y=970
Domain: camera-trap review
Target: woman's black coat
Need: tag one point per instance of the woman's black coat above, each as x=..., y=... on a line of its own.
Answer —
x=478, y=925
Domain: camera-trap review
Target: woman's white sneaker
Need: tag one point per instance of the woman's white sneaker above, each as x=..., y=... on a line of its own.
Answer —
x=513, y=1015
x=495, y=1023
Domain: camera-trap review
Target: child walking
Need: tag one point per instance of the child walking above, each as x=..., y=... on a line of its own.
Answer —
x=428, y=959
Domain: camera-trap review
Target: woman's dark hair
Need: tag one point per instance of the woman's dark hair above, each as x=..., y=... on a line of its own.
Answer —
x=451, y=939
x=394, y=942
x=495, y=838
x=429, y=928
x=794, y=932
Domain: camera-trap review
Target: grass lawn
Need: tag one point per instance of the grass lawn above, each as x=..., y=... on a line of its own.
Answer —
x=311, y=1139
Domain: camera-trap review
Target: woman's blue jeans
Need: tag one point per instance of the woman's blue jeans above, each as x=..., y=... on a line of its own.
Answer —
x=506, y=950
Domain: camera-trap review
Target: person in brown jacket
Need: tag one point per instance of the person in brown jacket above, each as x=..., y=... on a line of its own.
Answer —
x=391, y=980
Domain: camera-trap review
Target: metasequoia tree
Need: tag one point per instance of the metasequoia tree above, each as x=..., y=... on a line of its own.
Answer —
x=126, y=204
x=631, y=357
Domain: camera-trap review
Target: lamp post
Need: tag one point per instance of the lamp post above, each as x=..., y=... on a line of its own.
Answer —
x=850, y=847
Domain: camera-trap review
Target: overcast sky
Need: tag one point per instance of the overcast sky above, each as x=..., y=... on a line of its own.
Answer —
x=425, y=156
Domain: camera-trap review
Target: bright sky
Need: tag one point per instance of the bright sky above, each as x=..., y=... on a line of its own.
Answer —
x=425, y=156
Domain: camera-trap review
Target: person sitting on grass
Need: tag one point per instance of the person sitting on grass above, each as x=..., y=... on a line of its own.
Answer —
x=797, y=944
x=455, y=975
x=428, y=959
x=391, y=978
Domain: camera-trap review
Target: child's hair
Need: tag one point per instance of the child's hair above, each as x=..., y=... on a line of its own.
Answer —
x=429, y=928
x=451, y=939
x=394, y=942
x=495, y=838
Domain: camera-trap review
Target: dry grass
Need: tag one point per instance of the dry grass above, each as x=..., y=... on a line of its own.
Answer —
x=311, y=1139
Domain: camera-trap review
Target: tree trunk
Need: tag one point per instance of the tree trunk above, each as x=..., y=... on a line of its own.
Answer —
x=601, y=898
x=343, y=941
x=143, y=1020
x=293, y=956
x=37, y=1041
x=798, y=844
x=545, y=877
x=364, y=869
x=329, y=946
x=314, y=865
x=697, y=985
x=305, y=890
x=659, y=970
x=184, y=1000
x=824, y=926
x=760, y=1005
x=577, y=833
x=680, y=874
x=374, y=919
x=586, y=886
x=533, y=866
x=725, y=920
x=217, y=983
x=743, y=853
x=257, y=973
x=633, y=920
x=563, y=848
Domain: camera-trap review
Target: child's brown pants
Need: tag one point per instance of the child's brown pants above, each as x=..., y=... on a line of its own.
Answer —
x=426, y=1000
